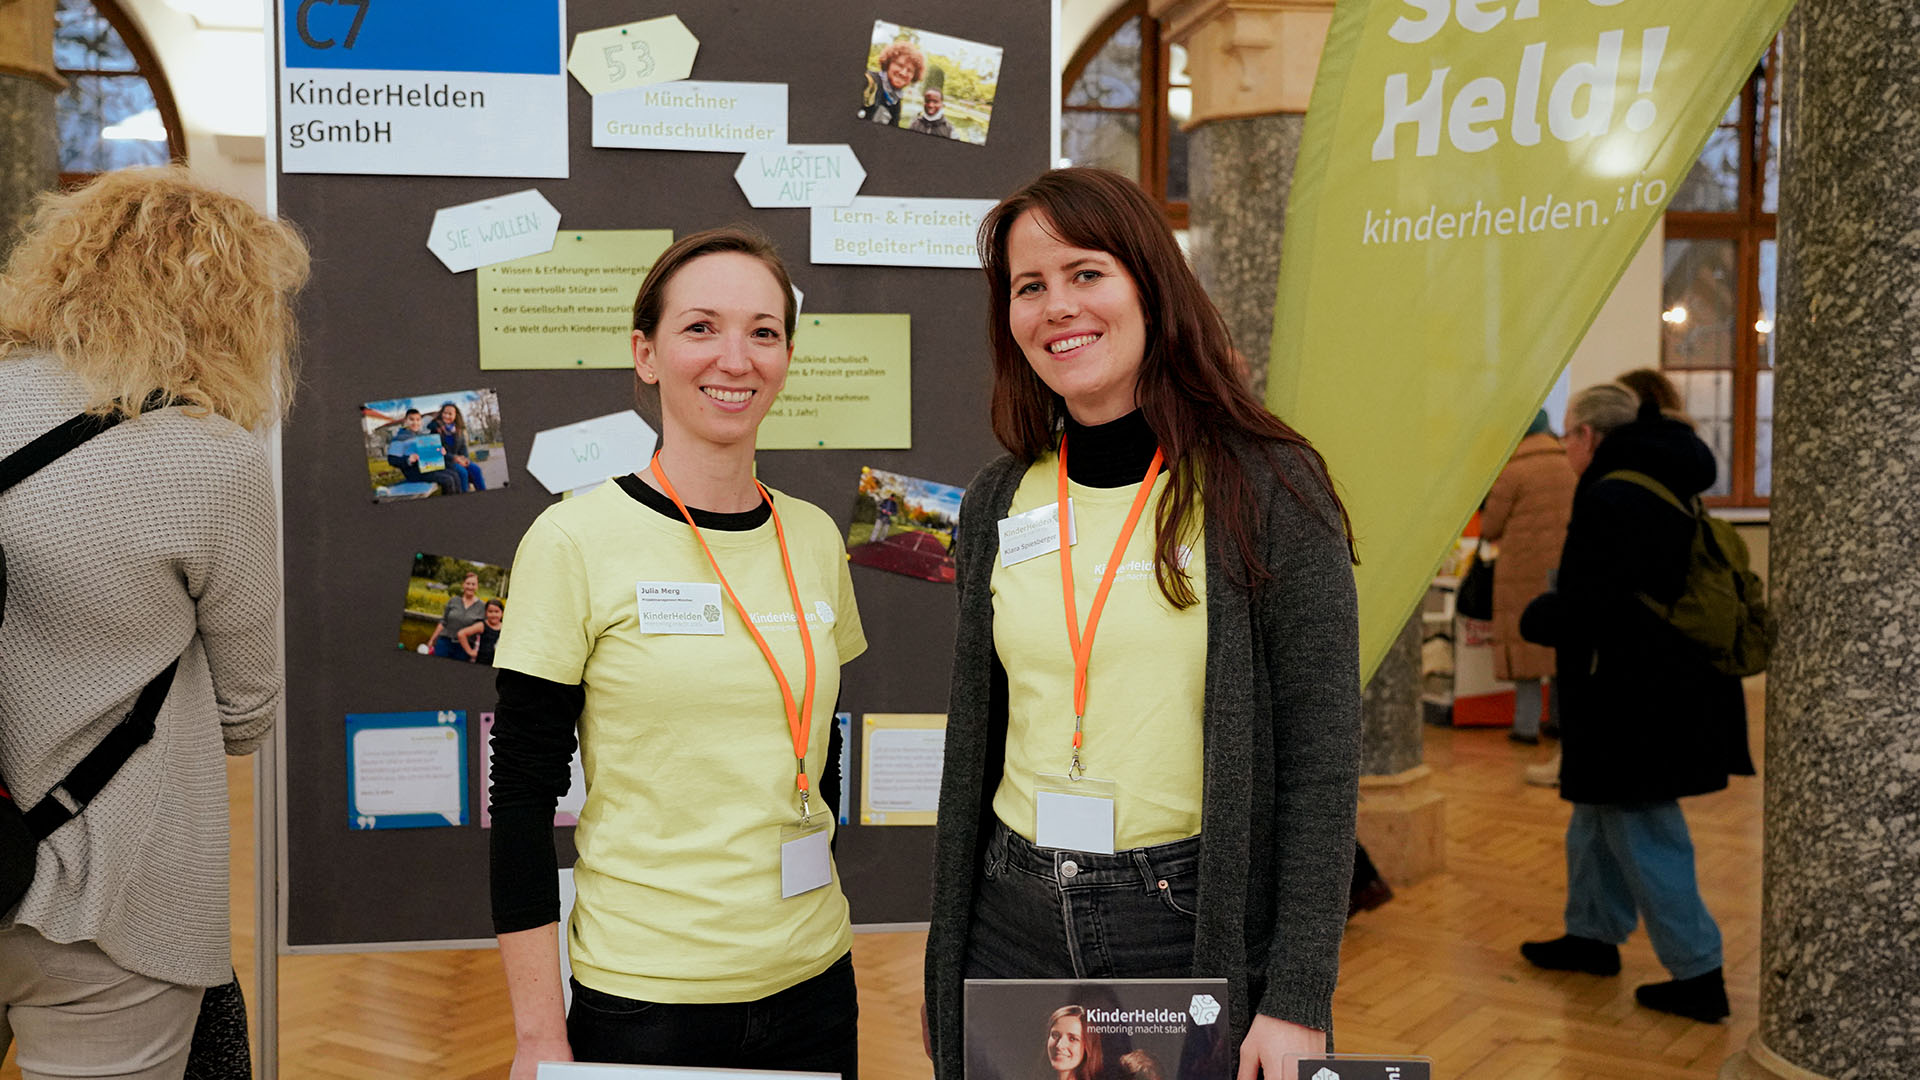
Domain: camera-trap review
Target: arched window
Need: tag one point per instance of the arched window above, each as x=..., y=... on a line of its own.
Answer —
x=116, y=111
x=1125, y=94
x=1716, y=341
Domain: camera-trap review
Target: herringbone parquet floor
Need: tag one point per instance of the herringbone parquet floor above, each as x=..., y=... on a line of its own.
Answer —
x=1434, y=972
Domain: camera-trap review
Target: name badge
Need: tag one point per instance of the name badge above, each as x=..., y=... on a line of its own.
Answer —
x=680, y=607
x=1035, y=533
x=1073, y=814
x=806, y=860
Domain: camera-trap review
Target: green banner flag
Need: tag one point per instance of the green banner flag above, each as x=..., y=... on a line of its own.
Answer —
x=1475, y=177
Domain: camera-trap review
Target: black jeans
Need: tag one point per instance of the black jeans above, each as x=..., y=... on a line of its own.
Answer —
x=1048, y=913
x=811, y=1027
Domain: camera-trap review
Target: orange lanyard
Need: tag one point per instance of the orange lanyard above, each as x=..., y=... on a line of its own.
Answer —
x=799, y=715
x=1083, y=643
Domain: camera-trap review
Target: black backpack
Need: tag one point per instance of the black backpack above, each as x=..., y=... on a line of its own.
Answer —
x=22, y=830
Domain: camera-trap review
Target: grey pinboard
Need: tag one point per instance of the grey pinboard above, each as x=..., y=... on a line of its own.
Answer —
x=383, y=318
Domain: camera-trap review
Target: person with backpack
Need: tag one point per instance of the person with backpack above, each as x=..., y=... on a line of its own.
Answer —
x=1652, y=710
x=146, y=327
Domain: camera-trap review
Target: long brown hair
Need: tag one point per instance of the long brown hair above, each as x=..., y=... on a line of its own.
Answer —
x=1191, y=390
x=1092, y=1057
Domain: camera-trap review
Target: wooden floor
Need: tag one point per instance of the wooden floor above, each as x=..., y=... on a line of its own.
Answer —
x=1434, y=972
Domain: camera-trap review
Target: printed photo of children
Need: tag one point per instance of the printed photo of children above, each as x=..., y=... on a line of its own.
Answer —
x=934, y=84
x=434, y=444
x=904, y=524
x=453, y=609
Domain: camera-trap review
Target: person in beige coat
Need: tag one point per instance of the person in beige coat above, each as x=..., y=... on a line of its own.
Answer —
x=1526, y=514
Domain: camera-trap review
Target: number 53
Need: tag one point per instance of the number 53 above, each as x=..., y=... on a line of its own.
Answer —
x=641, y=59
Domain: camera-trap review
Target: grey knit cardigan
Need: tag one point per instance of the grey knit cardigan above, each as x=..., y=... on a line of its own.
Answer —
x=154, y=541
x=1282, y=731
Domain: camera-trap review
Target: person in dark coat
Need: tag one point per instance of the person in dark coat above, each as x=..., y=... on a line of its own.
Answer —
x=1646, y=720
x=933, y=106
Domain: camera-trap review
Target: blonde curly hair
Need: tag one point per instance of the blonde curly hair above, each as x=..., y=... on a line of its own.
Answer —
x=898, y=49
x=147, y=280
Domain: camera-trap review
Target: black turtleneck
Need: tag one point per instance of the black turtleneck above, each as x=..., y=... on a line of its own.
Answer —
x=1110, y=455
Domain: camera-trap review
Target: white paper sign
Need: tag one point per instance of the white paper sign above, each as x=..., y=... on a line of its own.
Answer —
x=1035, y=533
x=568, y=894
x=680, y=607
x=635, y=54
x=408, y=770
x=877, y=231
x=584, y=454
x=808, y=175
x=903, y=769
x=424, y=88
x=726, y=117
x=482, y=233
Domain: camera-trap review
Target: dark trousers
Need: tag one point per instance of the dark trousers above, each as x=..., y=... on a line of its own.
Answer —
x=810, y=1027
x=1048, y=913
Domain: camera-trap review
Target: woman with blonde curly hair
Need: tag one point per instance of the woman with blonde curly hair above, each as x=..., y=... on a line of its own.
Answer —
x=146, y=331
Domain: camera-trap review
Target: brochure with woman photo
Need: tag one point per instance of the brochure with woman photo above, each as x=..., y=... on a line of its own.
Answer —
x=1113, y=1029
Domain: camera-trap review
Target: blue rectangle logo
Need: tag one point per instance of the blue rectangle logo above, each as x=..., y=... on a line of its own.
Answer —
x=512, y=37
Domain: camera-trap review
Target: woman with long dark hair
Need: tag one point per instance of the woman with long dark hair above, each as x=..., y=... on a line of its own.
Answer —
x=1165, y=787
x=452, y=429
x=1073, y=1048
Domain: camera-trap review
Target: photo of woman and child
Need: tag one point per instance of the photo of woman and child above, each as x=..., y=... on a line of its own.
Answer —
x=434, y=444
x=454, y=609
x=945, y=84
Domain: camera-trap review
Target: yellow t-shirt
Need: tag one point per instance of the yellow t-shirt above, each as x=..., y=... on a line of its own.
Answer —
x=1146, y=680
x=689, y=762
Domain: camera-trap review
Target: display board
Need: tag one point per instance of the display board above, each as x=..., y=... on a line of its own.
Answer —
x=389, y=327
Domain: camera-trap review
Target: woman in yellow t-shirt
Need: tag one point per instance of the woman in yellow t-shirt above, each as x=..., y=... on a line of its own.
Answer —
x=691, y=624
x=1165, y=786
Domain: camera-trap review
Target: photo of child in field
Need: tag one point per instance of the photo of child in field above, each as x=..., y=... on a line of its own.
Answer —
x=904, y=524
x=434, y=444
x=454, y=608
x=931, y=83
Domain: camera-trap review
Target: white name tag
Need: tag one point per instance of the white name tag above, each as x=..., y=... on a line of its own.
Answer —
x=1075, y=822
x=806, y=863
x=1035, y=533
x=681, y=607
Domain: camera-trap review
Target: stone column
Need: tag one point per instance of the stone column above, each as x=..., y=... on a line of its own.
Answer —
x=1252, y=63
x=1403, y=820
x=29, y=143
x=1840, y=927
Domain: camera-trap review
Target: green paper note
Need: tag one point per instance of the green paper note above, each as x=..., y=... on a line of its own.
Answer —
x=569, y=308
x=850, y=386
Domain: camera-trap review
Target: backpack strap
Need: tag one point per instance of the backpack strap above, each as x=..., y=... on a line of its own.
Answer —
x=1640, y=479
x=94, y=771
x=42, y=451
